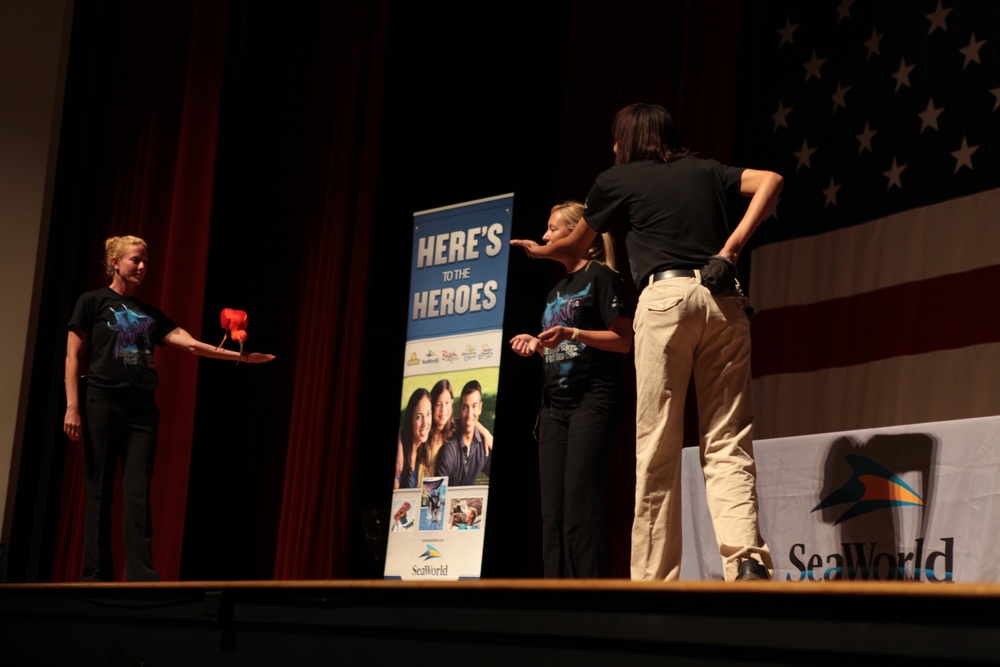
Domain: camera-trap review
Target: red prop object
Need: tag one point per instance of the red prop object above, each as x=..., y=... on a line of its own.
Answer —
x=234, y=323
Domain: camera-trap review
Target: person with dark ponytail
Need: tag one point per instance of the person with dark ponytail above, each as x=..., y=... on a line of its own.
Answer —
x=586, y=329
x=111, y=381
x=684, y=236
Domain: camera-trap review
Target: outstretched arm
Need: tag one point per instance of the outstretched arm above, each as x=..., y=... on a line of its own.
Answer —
x=573, y=246
x=763, y=187
x=182, y=339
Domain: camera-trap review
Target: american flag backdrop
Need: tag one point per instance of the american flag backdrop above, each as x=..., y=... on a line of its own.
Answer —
x=877, y=281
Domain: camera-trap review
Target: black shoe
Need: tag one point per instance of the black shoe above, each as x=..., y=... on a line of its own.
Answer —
x=751, y=570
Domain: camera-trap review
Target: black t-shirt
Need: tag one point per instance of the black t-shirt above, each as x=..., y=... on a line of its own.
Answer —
x=121, y=332
x=676, y=214
x=589, y=299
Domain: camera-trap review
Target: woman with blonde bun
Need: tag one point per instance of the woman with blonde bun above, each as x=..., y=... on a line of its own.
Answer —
x=111, y=380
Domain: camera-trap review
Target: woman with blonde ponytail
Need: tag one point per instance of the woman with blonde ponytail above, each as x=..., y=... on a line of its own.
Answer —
x=602, y=249
x=586, y=329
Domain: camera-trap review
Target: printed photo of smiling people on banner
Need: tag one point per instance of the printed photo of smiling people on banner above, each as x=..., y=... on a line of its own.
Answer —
x=448, y=404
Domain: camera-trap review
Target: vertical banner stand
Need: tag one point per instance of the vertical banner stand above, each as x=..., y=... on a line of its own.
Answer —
x=458, y=282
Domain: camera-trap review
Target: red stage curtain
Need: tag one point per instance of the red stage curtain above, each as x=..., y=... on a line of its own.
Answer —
x=314, y=527
x=169, y=66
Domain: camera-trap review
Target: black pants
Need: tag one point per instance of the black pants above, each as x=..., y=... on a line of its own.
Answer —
x=574, y=446
x=120, y=426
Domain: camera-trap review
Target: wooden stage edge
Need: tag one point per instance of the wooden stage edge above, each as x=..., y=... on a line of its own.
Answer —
x=858, y=588
x=499, y=622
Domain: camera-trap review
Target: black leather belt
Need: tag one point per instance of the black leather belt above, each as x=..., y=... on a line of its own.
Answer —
x=672, y=273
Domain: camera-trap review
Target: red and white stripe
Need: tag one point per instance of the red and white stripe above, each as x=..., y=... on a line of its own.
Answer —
x=891, y=322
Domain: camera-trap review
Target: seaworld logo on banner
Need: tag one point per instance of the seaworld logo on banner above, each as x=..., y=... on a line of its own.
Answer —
x=430, y=570
x=872, y=487
x=865, y=562
x=431, y=552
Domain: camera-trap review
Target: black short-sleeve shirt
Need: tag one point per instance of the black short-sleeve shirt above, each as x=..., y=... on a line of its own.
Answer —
x=121, y=332
x=590, y=299
x=676, y=214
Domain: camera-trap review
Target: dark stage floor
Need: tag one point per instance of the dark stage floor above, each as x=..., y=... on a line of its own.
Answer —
x=498, y=622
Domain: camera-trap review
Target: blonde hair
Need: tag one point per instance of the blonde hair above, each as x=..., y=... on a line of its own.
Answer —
x=602, y=249
x=115, y=248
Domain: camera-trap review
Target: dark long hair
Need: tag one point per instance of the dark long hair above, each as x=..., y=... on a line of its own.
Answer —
x=449, y=428
x=406, y=430
x=645, y=132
